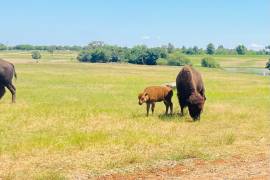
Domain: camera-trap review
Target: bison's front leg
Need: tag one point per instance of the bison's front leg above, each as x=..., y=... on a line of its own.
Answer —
x=171, y=108
x=147, y=108
x=182, y=111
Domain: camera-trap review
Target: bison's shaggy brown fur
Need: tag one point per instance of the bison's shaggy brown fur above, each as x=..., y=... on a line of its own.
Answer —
x=154, y=94
x=7, y=71
x=190, y=91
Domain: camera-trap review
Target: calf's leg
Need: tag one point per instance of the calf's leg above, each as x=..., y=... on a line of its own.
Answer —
x=147, y=108
x=167, y=107
x=153, y=107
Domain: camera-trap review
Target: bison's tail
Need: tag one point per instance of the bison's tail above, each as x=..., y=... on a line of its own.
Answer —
x=170, y=85
x=15, y=74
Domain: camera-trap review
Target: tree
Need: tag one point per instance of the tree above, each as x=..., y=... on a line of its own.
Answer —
x=195, y=50
x=220, y=47
x=36, y=55
x=95, y=44
x=3, y=47
x=220, y=50
x=189, y=51
x=51, y=49
x=84, y=56
x=100, y=55
x=137, y=54
x=241, y=49
x=183, y=49
x=26, y=47
x=96, y=55
x=170, y=48
x=210, y=49
x=267, y=49
x=162, y=52
x=151, y=56
x=75, y=48
x=144, y=55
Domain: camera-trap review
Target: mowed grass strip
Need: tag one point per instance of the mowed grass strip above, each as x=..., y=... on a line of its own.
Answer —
x=75, y=120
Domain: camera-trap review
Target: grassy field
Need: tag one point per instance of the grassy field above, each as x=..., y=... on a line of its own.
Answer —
x=252, y=61
x=78, y=120
x=25, y=56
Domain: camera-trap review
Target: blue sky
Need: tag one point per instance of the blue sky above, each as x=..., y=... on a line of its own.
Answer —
x=126, y=22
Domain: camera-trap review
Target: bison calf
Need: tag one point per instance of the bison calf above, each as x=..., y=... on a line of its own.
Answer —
x=190, y=91
x=154, y=94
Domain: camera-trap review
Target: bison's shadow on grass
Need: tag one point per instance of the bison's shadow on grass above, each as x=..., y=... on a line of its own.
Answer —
x=175, y=117
x=165, y=117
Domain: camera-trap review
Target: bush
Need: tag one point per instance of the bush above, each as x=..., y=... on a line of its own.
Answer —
x=144, y=55
x=268, y=64
x=84, y=56
x=3, y=47
x=100, y=55
x=162, y=61
x=179, y=60
x=137, y=54
x=36, y=55
x=209, y=62
x=241, y=49
x=151, y=57
x=97, y=55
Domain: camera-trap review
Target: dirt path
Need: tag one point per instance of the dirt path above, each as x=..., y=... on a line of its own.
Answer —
x=255, y=168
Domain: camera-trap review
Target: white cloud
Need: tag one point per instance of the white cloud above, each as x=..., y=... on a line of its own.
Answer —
x=255, y=46
x=146, y=37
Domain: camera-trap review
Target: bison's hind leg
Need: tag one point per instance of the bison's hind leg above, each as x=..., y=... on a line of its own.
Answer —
x=2, y=91
x=167, y=107
x=12, y=90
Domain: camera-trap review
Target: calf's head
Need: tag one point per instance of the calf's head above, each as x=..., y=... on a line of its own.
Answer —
x=143, y=97
x=195, y=105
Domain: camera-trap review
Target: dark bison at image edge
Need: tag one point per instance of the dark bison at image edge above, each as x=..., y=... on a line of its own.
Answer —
x=7, y=71
x=190, y=91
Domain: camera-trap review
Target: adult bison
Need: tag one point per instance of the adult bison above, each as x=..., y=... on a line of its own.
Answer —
x=7, y=71
x=190, y=91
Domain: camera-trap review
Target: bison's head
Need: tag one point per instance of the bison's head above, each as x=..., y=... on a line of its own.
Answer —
x=195, y=105
x=143, y=97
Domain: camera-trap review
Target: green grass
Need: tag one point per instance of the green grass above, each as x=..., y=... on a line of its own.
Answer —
x=243, y=61
x=74, y=119
x=25, y=56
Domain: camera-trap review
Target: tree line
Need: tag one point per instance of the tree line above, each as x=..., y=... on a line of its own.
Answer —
x=210, y=48
x=98, y=51
x=50, y=48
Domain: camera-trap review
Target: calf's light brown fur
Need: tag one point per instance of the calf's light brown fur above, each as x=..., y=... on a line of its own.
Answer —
x=154, y=94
